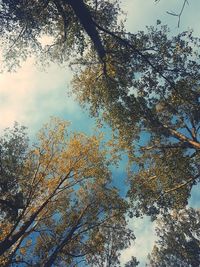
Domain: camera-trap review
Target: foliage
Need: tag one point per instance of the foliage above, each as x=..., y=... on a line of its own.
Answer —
x=68, y=202
x=179, y=240
x=53, y=29
x=13, y=148
x=132, y=263
x=115, y=237
x=150, y=89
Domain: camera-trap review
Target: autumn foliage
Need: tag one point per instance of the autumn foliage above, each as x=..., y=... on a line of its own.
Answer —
x=67, y=202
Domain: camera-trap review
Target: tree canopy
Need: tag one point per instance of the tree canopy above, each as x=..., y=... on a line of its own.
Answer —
x=69, y=206
x=179, y=240
x=66, y=24
x=145, y=85
x=150, y=88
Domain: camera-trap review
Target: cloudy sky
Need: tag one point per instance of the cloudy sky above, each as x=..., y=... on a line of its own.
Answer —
x=30, y=96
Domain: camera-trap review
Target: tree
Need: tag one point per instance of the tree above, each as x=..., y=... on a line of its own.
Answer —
x=13, y=148
x=179, y=240
x=67, y=201
x=115, y=238
x=67, y=23
x=150, y=88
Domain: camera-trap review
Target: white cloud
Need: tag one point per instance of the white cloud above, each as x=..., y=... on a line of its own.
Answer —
x=144, y=231
x=30, y=96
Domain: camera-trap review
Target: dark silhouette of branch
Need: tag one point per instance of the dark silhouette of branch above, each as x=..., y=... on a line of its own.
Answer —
x=86, y=20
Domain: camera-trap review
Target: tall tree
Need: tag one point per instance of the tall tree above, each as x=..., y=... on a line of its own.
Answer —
x=179, y=240
x=67, y=201
x=150, y=89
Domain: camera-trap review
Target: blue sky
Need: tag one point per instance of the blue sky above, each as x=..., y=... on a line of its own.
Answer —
x=30, y=96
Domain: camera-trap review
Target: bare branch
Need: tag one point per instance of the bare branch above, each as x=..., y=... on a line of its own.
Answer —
x=180, y=13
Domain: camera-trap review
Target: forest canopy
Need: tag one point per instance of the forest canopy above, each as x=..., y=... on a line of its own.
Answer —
x=58, y=202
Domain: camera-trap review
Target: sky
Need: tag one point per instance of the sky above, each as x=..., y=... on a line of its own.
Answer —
x=31, y=95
